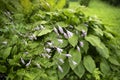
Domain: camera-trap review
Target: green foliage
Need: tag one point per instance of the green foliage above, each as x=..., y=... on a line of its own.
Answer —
x=113, y=2
x=58, y=45
x=89, y=63
x=84, y=2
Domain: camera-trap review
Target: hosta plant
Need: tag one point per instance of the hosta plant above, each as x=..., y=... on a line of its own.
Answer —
x=59, y=45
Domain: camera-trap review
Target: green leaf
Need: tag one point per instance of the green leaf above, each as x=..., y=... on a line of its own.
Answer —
x=33, y=45
x=62, y=24
x=81, y=27
x=98, y=31
x=89, y=63
x=6, y=52
x=108, y=35
x=65, y=68
x=76, y=57
x=42, y=32
x=79, y=70
x=104, y=67
x=85, y=46
x=114, y=61
x=73, y=40
x=60, y=4
x=3, y=69
x=100, y=47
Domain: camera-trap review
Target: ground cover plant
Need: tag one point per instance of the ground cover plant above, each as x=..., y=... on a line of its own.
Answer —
x=56, y=45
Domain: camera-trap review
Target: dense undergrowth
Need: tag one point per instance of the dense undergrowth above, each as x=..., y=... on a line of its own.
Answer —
x=57, y=45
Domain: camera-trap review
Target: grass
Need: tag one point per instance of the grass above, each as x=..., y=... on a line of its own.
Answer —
x=107, y=13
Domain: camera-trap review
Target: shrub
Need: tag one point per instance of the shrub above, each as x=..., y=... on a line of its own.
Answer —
x=113, y=2
x=84, y=2
x=58, y=45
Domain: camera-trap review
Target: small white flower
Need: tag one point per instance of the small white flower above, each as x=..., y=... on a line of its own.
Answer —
x=78, y=48
x=65, y=35
x=74, y=63
x=70, y=26
x=60, y=40
x=60, y=29
x=22, y=60
x=43, y=55
x=25, y=42
x=68, y=55
x=38, y=65
x=48, y=56
x=84, y=33
x=77, y=32
x=56, y=31
x=37, y=28
x=42, y=27
x=81, y=44
x=50, y=43
x=28, y=63
x=59, y=50
x=33, y=37
x=48, y=50
x=60, y=68
x=61, y=60
x=5, y=42
x=26, y=52
x=70, y=34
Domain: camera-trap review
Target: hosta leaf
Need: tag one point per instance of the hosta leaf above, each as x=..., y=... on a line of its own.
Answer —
x=114, y=61
x=62, y=24
x=89, y=63
x=3, y=69
x=104, y=67
x=6, y=52
x=85, y=46
x=33, y=45
x=73, y=40
x=76, y=57
x=98, y=31
x=60, y=4
x=65, y=68
x=79, y=70
x=100, y=47
x=108, y=35
x=42, y=32
x=81, y=27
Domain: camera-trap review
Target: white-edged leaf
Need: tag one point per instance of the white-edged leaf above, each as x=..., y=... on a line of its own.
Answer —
x=89, y=63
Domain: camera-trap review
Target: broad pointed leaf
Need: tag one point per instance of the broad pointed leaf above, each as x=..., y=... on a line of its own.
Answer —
x=114, y=61
x=3, y=69
x=73, y=40
x=100, y=47
x=65, y=68
x=42, y=32
x=6, y=53
x=104, y=67
x=75, y=59
x=89, y=63
x=79, y=70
